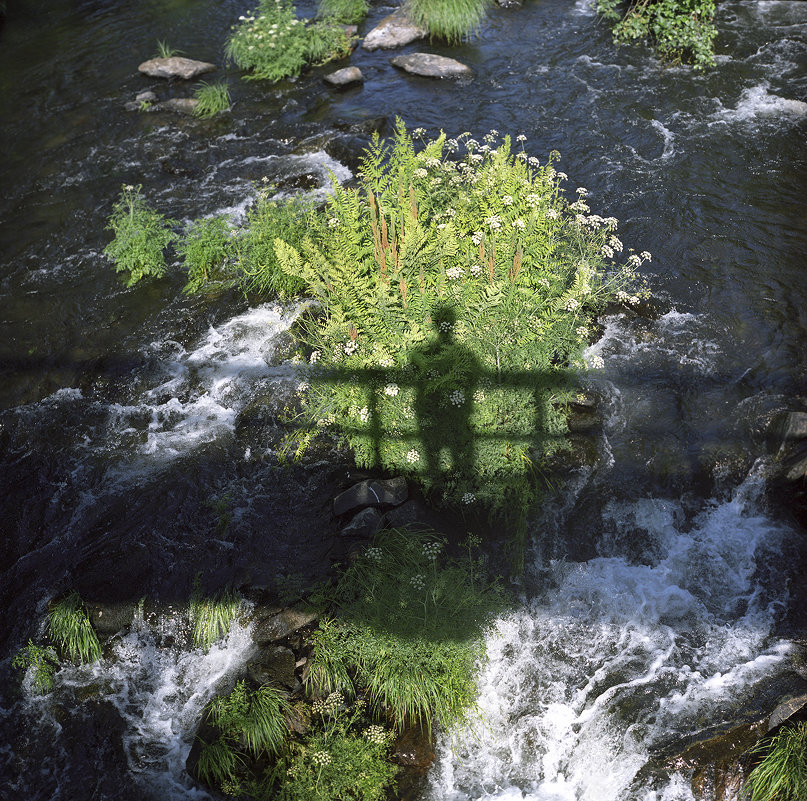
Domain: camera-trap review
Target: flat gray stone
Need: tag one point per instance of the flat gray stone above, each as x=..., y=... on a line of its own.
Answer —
x=390, y=492
x=146, y=97
x=344, y=77
x=186, y=69
x=179, y=105
x=279, y=626
x=396, y=30
x=429, y=65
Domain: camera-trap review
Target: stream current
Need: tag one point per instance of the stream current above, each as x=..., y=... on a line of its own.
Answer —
x=663, y=590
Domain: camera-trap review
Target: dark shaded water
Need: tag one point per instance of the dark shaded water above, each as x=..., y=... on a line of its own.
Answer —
x=123, y=413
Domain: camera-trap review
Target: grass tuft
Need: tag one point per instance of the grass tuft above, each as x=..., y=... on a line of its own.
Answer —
x=212, y=617
x=70, y=628
x=452, y=20
x=165, y=51
x=213, y=99
x=781, y=775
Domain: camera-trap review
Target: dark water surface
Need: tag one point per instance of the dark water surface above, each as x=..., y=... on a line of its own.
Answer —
x=124, y=412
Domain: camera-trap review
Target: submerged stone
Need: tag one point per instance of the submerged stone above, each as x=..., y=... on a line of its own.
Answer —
x=396, y=30
x=179, y=105
x=429, y=65
x=185, y=69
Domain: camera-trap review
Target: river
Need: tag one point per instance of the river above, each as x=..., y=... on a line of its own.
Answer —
x=663, y=590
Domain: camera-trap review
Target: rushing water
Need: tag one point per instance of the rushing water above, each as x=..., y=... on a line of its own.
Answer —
x=662, y=593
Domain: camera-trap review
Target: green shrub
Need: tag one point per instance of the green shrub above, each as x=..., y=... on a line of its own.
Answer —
x=140, y=237
x=781, y=775
x=42, y=661
x=256, y=260
x=204, y=249
x=452, y=20
x=409, y=632
x=70, y=628
x=679, y=29
x=211, y=617
x=345, y=12
x=455, y=294
x=271, y=43
x=213, y=98
x=343, y=757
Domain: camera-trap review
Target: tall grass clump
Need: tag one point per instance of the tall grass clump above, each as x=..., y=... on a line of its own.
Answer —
x=250, y=724
x=213, y=99
x=452, y=20
x=70, y=629
x=164, y=50
x=458, y=286
x=680, y=30
x=205, y=247
x=345, y=12
x=41, y=661
x=272, y=43
x=141, y=236
x=409, y=632
x=212, y=616
x=781, y=775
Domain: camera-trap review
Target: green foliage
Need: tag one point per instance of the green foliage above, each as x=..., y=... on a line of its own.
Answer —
x=345, y=12
x=211, y=617
x=70, y=628
x=679, y=29
x=140, y=237
x=272, y=43
x=452, y=20
x=343, y=758
x=781, y=775
x=42, y=661
x=455, y=294
x=409, y=631
x=204, y=249
x=250, y=724
x=257, y=263
x=164, y=51
x=213, y=98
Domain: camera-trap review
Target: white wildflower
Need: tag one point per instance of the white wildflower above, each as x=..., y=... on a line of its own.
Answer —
x=392, y=390
x=571, y=305
x=454, y=273
x=457, y=397
x=518, y=224
x=468, y=498
x=413, y=456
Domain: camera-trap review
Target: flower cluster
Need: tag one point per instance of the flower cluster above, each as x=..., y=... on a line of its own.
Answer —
x=412, y=456
x=431, y=550
x=468, y=498
x=418, y=582
x=456, y=398
x=376, y=734
x=374, y=554
x=392, y=390
x=321, y=758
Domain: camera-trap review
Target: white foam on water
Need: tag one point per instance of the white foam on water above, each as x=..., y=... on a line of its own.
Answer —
x=205, y=388
x=757, y=103
x=615, y=657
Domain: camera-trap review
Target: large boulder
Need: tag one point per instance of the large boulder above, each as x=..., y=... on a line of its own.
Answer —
x=274, y=666
x=396, y=30
x=364, y=524
x=185, y=69
x=429, y=65
x=388, y=492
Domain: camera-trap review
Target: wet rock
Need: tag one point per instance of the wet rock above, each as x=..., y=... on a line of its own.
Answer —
x=146, y=97
x=110, y=618
x=414, y=750
x=510, y=3
x=429, y=65
x=277, y=627
x=364, y=524
x=786, y=710
x=396, y=30
x=789, y=426
x=179, y=105
x=184, y=69
x=344, y=77
x=388, y=492
x=412, y=513
x=274, y=665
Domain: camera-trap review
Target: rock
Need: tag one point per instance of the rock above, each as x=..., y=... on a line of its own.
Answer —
x=344, y=77
x=389, y=492
x=786, y=710
x=790, y=426
x=364, y=524
x=510, y=3
x=180, y=105
x=274, y=665
x=146, y=97
x=279, y=626
x=109, y=618
x=131, y=105
x=396, y=30
x=429, y=65
x=186, y=69
x=414, y=750
x=411, y=513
